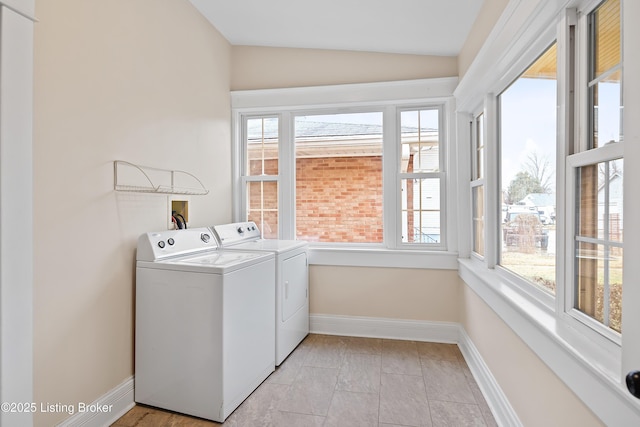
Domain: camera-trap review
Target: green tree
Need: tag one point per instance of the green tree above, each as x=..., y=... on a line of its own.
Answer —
x=523, y=184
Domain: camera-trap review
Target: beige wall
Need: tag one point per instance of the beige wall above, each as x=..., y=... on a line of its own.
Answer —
x=536, y=394
x=393, y=293
x=487, y=17
x=145, y=81
x=268, y=68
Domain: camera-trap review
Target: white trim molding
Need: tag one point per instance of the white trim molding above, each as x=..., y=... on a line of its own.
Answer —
x=425, y=331
x=500, y=407
x=370, y=257
x=373, y=327
x=344, y=95
x=106, y=409
x=16, y=191
x=522, y=31
x=25, y=8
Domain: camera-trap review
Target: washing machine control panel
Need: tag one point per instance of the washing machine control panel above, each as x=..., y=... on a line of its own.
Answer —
x=237, y=232
x=155, y=246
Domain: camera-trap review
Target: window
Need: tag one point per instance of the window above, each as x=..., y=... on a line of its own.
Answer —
x=598, y=175
x=261, y=179
x=339, y=177
x=420, y=176
x=369, y=175
x=528, y=109
x=598, y=275
x=605, y=74
x=477, y=183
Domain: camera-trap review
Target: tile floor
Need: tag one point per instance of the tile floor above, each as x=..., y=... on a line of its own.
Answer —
x=346, y=381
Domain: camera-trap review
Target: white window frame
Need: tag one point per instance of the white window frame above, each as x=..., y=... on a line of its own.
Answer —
x=543, y=299
x=600, y=344
x=589, y=329
x=244, y=178
x=480, y=181
x=586, y=361
x=389, y=98
x=292, y=113
x=440, y=175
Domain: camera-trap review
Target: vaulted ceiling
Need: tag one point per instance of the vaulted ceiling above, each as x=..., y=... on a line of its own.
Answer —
x=422, y=27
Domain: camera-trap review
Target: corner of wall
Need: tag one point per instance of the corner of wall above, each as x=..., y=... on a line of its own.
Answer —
x=487, y=18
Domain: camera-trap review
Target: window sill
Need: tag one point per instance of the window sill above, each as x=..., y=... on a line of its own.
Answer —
x=382, y=257
x=597, y=385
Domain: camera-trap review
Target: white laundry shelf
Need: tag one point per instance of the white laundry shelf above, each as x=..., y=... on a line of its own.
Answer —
x=144, y=179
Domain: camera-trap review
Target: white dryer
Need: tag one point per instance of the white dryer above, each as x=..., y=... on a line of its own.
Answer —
x=204, y=323
x=292, y=280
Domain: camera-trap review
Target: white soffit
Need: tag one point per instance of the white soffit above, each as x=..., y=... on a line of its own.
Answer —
x=421, y=27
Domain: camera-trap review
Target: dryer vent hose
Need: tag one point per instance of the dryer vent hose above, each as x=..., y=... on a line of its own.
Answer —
x=178, y=220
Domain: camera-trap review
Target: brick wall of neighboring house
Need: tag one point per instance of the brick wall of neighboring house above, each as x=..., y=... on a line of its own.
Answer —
x=264, y=210
x=338, y=199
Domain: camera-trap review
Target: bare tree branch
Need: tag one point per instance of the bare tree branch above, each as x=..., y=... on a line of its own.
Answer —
x=540, y=168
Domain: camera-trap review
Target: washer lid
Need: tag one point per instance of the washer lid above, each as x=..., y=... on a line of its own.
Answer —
x=217, y=261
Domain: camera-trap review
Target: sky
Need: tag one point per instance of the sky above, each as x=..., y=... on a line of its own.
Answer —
x=528, y=122
x=527, y=125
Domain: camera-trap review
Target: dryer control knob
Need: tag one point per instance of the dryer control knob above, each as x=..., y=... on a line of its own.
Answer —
x=161, y=244
x=240, y=230
x=171, y=241
x=205, y=237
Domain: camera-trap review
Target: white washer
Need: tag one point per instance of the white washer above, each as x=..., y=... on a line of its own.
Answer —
x=204, y=323
x=292, y=280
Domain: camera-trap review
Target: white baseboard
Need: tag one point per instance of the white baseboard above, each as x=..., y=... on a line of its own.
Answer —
x=116, y=402
x=497, y=401
x=416, y=330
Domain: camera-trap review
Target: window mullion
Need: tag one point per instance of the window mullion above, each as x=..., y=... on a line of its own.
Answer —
x=582, y=94
x=421, y=175
x=566, y=143
x=493, y=205
x=259, y=178
x=605, y=75
x=606, y=247
x=287, y=172
x=392, y=199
